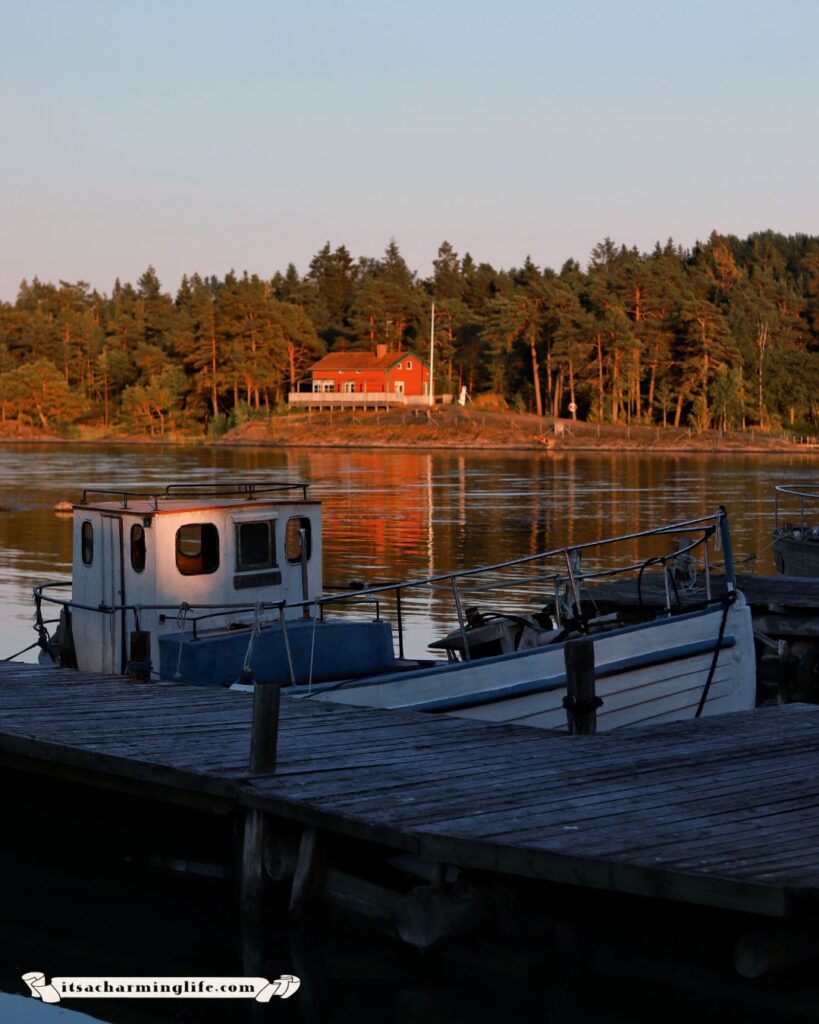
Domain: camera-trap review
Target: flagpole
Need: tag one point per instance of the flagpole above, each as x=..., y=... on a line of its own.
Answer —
x=432, y=357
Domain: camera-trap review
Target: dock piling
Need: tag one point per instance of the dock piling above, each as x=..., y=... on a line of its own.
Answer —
x=307, y=878
x=255, y=885
x=581, y=701
x=139, y=662
x=264, y=735
x=264, y=731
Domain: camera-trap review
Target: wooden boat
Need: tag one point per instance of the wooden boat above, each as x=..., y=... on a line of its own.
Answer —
x=222, y=586
x=796, y=543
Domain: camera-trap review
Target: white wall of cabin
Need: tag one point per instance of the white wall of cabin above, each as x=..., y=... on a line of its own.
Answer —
x=98, y=636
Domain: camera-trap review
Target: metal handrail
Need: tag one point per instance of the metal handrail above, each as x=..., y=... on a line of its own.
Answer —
x=717, y=519
x=225, y=489
x=598, y=574
x=811, y=492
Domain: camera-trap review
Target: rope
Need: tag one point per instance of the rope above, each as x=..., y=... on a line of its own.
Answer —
x=181, y=617
x=17, y=655
x=582, y=707
x=287, y=644
x=312, y=649
x=684, y=569
x=754, y=556
x=728, y=600
x=672, y=581
x=255, y=630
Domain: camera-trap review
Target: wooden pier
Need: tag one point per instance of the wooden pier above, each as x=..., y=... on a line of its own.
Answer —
x=723, y=812
x=797, y=593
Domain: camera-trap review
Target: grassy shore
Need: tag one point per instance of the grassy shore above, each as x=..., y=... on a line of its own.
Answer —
x=457, y=428
x=444, y=427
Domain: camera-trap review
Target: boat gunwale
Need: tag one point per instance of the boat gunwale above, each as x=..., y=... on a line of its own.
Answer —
x=445, y=667
x=529, y=687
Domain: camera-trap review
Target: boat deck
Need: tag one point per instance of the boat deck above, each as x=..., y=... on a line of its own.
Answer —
x=723, y=812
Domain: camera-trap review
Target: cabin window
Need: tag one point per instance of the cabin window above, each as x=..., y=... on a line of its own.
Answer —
x=197, y=549
x=292, y=538
x=409, y=364
x=137, y=547
x=87, y=543
x=255, y=545
x=348, y=387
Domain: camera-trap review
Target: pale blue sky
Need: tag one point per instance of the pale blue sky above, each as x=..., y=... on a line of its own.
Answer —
x=205, y=136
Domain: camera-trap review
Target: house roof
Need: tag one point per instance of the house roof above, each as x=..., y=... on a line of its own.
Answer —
x=336, y=361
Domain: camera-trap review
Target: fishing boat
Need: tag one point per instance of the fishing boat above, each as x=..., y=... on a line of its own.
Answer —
x=222, y=585
x=796, y=540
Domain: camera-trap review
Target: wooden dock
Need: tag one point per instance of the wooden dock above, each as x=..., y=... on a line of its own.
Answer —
x=761, y=592
x=723, y=812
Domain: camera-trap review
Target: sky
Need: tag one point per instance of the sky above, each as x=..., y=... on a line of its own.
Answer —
x=200, y=137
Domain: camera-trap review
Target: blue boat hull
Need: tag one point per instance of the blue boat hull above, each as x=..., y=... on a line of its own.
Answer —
x=319, y=651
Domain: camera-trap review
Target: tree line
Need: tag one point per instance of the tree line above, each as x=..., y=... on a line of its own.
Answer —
x=724, y=335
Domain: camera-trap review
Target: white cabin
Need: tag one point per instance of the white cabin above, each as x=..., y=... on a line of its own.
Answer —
x=140, y=559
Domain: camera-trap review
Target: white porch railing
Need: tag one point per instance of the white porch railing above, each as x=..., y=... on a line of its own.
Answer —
x=359, y=400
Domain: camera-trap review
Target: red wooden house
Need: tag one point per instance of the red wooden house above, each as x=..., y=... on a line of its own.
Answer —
x=399, y=374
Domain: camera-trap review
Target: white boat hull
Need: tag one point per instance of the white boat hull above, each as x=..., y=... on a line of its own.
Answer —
x=653, y=672
x=794, y=557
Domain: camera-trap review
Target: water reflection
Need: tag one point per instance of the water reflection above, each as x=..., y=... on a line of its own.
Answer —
x=396, y=514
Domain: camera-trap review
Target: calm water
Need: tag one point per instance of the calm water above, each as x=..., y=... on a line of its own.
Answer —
x=387, y=516
x=394, y=515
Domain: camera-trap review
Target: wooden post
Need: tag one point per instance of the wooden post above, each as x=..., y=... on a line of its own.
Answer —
x=307, y=878
x=254, y=882
x=264, y=732
x=581, y=702
x=139, y=659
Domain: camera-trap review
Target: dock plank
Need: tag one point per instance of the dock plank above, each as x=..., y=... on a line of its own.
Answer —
x=723, y=811
x=760, y=591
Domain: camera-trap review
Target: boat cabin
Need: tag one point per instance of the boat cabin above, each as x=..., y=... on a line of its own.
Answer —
x=141, y=559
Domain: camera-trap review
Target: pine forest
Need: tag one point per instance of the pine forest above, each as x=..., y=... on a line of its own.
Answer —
x=722, y=336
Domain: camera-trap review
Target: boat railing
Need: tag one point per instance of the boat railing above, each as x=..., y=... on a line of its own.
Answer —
x=224, y=489
x=783, y=495
x=707, y=525
x=571, y=575
x=618, y=570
